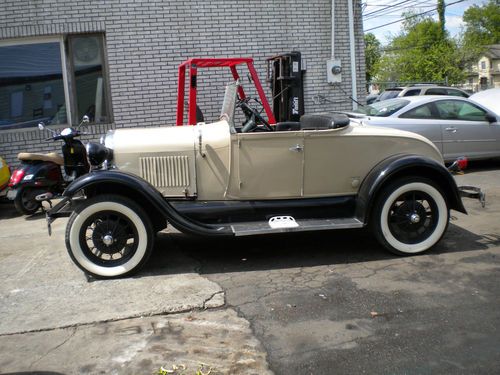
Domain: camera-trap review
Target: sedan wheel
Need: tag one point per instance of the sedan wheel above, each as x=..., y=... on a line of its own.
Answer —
x=410, y=216
x=109, y=236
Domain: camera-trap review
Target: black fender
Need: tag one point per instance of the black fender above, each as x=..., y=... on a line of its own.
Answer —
x=142, y=191
x=398, y=166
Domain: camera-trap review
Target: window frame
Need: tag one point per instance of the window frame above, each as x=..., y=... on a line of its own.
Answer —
x=68, y=74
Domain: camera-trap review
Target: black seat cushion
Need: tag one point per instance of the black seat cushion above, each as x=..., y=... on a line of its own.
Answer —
x=323, y=121
x=287, y=126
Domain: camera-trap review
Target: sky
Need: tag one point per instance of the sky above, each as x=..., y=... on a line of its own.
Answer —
x=383, y=15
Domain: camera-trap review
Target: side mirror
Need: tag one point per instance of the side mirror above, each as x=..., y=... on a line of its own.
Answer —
x=490, y=117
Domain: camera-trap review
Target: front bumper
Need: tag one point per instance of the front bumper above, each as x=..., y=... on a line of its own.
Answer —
x=62, y=209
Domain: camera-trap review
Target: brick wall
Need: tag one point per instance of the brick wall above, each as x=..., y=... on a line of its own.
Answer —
x=147, y=39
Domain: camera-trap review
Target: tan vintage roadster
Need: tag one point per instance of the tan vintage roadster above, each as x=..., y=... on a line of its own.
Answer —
x=223, y=178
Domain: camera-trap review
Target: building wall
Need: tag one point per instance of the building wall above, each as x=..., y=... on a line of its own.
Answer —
x=147, y=39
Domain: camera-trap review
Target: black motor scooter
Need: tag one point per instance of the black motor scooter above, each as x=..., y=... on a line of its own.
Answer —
x=39, y=176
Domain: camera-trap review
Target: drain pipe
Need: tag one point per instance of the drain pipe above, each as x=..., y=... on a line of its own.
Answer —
x=350, y=10
x=333, y=29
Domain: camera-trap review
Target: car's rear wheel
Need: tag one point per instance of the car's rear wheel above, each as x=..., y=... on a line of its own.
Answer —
x=410, y=216
x=109, y=236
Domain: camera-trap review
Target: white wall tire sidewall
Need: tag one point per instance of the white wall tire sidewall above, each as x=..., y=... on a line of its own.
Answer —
x=442, y=211
x=84, y=262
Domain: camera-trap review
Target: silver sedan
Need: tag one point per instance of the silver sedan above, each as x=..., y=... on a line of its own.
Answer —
x=457, y=126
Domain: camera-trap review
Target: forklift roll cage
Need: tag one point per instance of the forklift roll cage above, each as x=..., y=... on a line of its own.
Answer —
x=192, y=66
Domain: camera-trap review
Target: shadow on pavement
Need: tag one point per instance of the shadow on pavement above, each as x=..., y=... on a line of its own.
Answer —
x=281, y=251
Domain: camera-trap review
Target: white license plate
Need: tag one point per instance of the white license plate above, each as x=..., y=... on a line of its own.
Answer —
x=11, y=194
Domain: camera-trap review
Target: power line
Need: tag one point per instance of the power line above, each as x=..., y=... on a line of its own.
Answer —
x=396, y=8
x=387, y=7
x=412, y=16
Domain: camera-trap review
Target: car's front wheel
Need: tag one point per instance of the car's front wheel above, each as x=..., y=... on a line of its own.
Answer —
x=109, y=236
x=410, y=216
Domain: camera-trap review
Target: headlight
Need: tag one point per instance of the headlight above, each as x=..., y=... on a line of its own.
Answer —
x=98, y=153
x=108, y=139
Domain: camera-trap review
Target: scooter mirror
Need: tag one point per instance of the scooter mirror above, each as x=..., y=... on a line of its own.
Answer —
x=41, y=126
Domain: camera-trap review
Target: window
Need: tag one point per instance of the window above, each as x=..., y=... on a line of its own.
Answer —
x=422, y=112
x=413, y=92
x=389, y=94
x=459, y=110
x=436, y=91
x=454, y=92
x=483, y=65
x=383, y=109
x=53, y=81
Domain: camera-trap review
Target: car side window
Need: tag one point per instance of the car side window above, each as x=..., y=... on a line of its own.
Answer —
x=413, y=92
x=453, y=92
x=459, y=110
x=436, y=91
x=424, y=112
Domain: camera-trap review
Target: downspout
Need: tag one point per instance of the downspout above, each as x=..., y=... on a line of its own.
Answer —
x=350, y=10
x=333, y=29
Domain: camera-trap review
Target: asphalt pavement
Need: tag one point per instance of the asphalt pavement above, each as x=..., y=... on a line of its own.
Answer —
x=309, y=303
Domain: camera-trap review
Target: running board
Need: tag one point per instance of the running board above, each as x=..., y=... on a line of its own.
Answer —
x=264, y=227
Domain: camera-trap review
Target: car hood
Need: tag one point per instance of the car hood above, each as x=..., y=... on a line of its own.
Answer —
x=489, y=99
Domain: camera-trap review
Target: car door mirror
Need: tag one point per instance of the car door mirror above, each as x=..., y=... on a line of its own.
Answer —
x=490, y=117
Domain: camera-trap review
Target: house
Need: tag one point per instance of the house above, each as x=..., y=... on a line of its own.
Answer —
x=486, y=73
x=117, y=61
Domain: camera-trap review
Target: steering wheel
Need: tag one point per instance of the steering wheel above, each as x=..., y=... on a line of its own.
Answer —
x=253, y=117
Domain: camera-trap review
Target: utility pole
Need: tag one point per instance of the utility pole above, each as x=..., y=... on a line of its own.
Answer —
x=440, y=8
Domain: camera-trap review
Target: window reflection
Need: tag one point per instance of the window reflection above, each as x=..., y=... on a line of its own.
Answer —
x=31, y=85
x=88, y=67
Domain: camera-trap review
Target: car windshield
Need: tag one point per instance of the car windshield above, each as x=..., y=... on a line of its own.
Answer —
x=383, y=109
x=389, y=94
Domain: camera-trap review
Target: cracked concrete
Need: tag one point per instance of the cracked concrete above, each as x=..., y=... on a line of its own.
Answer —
x=53, y=318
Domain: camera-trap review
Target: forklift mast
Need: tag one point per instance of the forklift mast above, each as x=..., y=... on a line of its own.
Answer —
x=285, y=76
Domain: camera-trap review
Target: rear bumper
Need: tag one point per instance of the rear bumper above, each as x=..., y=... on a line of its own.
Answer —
x=473, y=192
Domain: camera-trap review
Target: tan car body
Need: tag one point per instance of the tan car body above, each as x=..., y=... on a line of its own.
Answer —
x=214, y=162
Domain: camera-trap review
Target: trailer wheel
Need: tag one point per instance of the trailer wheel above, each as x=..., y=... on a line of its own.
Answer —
x=109, y=236
x=410, y=216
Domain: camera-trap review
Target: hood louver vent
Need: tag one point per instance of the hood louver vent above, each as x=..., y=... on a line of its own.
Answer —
x=166, y=171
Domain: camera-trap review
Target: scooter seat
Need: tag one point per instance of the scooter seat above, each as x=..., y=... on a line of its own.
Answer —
x=52, y=156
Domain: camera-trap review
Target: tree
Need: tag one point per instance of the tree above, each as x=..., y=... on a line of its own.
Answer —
x=482, y=24
x=422, y=52
x=372, y=55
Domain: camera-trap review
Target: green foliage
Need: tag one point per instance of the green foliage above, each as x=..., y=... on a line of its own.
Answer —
x=483, y=24
x=482, y=28
x=422, y=52
x=372, y=55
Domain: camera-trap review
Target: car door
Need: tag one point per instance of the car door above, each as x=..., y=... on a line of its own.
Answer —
x=466, y=130
x=269, y=165
x=420, y=120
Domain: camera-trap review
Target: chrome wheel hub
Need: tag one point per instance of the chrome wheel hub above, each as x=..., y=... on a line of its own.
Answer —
x=108, y=240
x=415, y=218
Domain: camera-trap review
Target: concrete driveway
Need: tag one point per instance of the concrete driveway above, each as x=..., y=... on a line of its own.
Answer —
x=317, y=303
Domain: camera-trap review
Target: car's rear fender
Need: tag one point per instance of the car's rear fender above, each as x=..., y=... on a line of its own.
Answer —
x=400, y=166
x=142, y=192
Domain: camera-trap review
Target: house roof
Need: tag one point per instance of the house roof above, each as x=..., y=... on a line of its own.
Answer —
x=493, y=51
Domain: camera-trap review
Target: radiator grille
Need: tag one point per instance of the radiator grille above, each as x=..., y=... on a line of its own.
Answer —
x=165, y=171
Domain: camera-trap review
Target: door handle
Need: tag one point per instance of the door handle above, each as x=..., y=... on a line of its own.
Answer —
x=296, y=148
x=451, y=129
